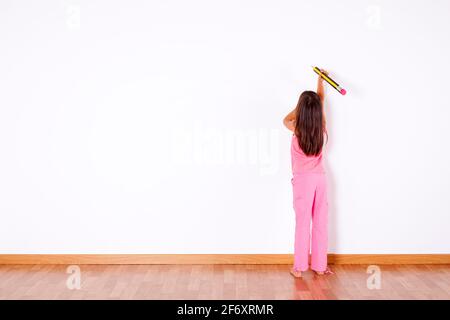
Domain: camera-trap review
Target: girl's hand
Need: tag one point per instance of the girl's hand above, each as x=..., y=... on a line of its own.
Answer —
x=325, y=72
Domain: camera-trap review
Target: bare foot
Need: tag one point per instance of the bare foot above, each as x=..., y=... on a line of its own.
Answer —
x=327, y=271
x=296, y=273
x=320, y=273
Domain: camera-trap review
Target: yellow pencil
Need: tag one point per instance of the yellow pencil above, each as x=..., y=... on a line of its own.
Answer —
x=333, y=83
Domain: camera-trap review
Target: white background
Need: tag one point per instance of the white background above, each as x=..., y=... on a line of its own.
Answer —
x=156, y=126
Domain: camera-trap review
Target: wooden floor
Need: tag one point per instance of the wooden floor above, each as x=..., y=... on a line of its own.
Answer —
x=222, y=282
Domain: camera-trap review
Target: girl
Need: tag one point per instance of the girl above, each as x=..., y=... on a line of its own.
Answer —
x=307, y=122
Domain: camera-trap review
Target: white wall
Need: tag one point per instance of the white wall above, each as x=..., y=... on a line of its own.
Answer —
x=155, y=126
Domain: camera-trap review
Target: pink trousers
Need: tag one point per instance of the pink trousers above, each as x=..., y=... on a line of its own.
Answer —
x=310, y=205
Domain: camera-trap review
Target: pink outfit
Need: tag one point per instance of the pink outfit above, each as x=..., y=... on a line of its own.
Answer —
x=310, y=203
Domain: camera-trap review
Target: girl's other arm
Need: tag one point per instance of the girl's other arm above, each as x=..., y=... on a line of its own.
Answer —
x=289, y=121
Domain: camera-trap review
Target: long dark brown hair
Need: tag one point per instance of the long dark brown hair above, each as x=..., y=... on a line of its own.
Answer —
x=309, y=123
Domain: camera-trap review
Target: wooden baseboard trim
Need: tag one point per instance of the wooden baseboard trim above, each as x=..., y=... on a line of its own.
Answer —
x=6, y=259
x=389, y=258
x=146, y=259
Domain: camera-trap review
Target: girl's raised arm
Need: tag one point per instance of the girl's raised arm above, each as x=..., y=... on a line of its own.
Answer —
x=321, y=94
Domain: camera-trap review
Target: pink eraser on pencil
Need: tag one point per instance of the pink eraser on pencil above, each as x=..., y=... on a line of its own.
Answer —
x=343, y=92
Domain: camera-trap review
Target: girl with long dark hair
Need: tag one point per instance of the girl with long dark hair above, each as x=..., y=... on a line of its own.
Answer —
x=307, y=122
